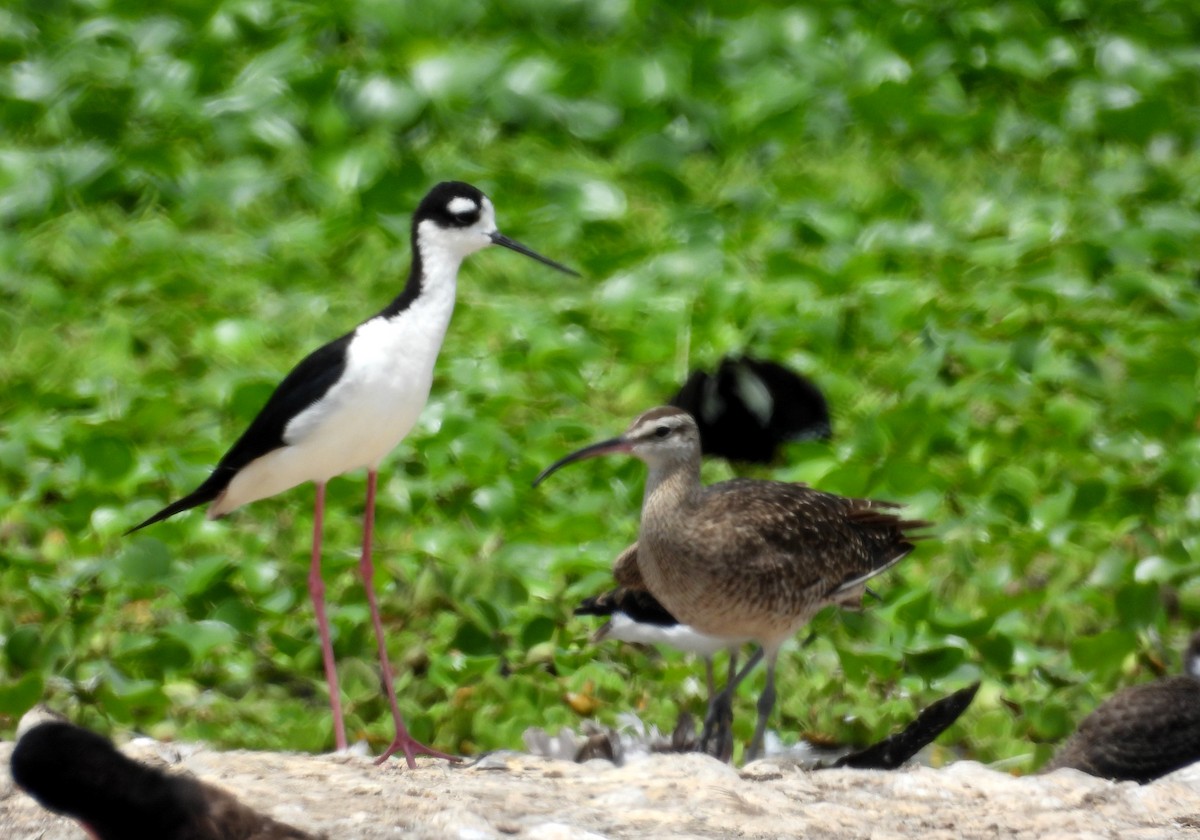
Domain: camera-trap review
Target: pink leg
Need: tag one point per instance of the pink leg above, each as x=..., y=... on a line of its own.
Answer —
x=403, y=741
x=316, y=589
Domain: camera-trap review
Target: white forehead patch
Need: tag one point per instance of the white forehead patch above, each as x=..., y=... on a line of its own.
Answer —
x=462, y=204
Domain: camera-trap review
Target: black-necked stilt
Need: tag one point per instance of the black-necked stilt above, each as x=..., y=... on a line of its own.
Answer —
x=73, y=771
x=748, y=408
x=746, y=559
x=348, y=404
x=1141, y=732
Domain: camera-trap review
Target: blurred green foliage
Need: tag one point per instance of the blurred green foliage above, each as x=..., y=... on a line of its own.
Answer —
x=976, y=225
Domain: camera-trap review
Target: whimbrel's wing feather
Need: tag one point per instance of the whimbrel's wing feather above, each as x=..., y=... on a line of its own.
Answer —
x=626, y=571
x=838, y=541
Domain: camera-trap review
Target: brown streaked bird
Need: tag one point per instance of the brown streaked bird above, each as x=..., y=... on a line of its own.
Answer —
x=74, y=771
x=746, y=558
x=1141, y=732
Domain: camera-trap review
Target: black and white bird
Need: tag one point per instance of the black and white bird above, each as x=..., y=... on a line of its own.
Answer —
x=637, y=617
x=74, y=771
x=747, y=408
x=349, y=403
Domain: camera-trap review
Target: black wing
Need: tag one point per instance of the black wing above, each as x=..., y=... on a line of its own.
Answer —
x=638, y=604
x=304, y=385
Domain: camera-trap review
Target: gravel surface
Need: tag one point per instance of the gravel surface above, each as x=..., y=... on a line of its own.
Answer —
x=656, y=796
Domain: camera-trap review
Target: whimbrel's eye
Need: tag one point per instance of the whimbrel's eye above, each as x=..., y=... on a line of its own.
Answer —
x=662, y=431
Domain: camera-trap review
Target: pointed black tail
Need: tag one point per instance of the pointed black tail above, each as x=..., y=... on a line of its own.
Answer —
x=206, y=492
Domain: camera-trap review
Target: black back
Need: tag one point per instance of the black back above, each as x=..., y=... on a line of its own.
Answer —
x=749, y=407
x=638, y=604
x=307, y=382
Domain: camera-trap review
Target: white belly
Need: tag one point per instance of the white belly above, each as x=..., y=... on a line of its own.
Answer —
x=383, y=389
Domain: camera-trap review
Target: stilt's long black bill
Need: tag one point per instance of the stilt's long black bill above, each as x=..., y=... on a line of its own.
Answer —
x=601, y=448
x=499, y=238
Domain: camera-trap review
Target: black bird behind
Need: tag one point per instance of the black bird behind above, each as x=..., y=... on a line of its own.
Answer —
x=749, y=407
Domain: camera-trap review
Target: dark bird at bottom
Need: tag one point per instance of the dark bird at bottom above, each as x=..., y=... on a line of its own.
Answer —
x=1141, y=732
x=74, y=771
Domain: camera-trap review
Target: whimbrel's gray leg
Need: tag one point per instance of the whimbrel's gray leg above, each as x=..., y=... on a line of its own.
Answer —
x=724, y=735
x=766, y=702
x=719, y=715
x=719, y=719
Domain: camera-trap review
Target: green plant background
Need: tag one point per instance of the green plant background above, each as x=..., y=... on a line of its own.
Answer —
x=976, y=225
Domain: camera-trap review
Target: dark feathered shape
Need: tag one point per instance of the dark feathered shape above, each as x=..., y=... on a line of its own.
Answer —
x=638, y=604
x=749, y=407
x=1141, y=732
x=73, y=771
x=894, y=750
x=307, y=383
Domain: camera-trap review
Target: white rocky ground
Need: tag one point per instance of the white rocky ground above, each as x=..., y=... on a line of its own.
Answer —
x=659, y=796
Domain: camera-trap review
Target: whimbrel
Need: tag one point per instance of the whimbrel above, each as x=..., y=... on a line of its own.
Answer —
x=350, y=402
x=1141, y=732
x=745, y=558
x=748, y=407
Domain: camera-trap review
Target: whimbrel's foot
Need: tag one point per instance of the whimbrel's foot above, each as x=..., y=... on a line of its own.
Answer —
x=411, y=747
x=717, y=737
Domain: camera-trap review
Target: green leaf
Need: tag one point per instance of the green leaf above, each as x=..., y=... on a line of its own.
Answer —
x=934, y=662
x=23, y=646
x=108, y=458
x=146, y=560
x=1102, y=653
x=19, y=696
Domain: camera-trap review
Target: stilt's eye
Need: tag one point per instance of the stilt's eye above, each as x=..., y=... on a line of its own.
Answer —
x=662, y=431
x=463, y=211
